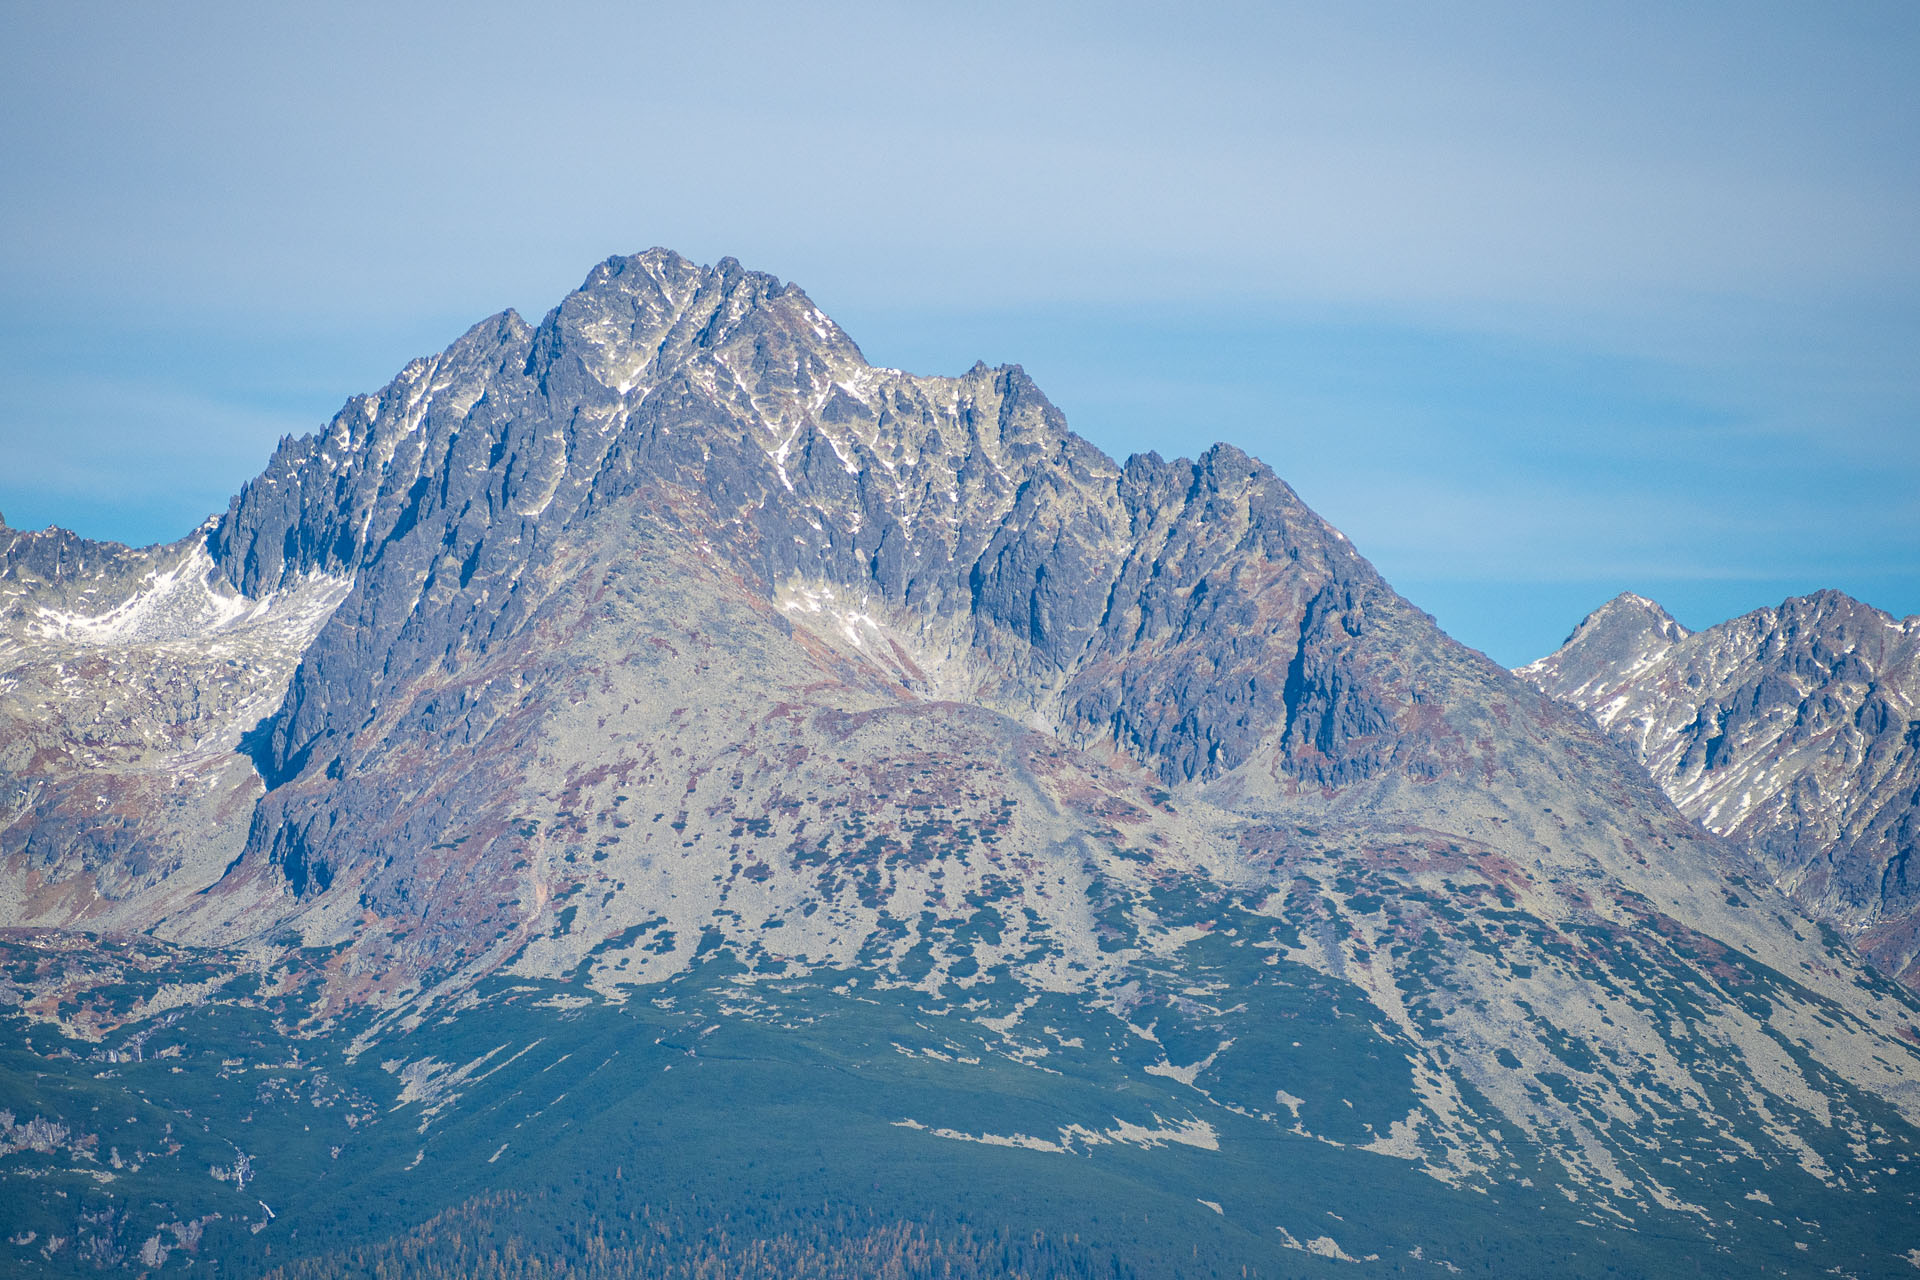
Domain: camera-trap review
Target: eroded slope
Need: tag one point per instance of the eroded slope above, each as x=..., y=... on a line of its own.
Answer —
x=127, y=682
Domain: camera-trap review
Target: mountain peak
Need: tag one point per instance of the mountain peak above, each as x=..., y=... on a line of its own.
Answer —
x=1625, y=634
x=860, y=717
x=1828, y=607
x=1628, y=608
x=1790, y=728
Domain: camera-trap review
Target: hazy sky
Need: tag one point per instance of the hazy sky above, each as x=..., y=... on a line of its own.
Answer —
x=1537, y=302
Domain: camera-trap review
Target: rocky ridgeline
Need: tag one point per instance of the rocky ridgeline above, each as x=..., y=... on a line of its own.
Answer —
x=1794, y=730
x=725, y=402
x=681, y=443
x=670, y=628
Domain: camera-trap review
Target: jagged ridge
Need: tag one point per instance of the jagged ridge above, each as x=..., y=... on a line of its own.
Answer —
x=1795, y=730
x=675, y=630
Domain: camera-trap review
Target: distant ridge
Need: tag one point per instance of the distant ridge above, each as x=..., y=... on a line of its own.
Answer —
x=1795, y=730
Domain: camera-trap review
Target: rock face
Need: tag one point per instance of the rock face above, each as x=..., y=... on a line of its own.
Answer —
x=669, y=639
x=535, y=521
x=1795, y=731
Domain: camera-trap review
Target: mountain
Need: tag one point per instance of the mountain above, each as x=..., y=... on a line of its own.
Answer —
x=650, y=789
x=1795, y=731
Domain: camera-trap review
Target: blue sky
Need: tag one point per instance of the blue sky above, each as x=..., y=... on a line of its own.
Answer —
x=1537, y=303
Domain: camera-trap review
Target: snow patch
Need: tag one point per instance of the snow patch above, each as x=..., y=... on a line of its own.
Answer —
x=188, y=601
x=1073, y=1138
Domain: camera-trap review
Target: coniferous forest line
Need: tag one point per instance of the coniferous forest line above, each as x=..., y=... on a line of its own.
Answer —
x=516, y=1236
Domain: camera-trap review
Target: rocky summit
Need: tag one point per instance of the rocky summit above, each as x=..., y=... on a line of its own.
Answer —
x=1795, y=731
x=652, y=793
